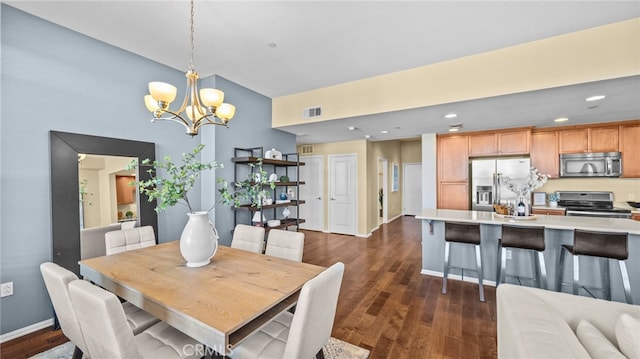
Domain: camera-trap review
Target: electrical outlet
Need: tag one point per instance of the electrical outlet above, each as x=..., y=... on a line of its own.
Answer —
x=6, y=289
x=508, y=254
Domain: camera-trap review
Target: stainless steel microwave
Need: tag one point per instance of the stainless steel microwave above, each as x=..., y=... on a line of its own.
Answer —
x=603, y=164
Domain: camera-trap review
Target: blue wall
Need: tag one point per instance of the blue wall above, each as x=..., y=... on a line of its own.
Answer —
x=56, y=79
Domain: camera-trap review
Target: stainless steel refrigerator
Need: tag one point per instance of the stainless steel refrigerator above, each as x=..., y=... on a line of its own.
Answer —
x=487, y=184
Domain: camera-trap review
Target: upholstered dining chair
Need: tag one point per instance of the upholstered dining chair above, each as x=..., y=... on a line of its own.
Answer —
x=248, y=238
x=129, y=239
x=105, y=329
x=303, y=334
x=285, y=244
x=57, y=279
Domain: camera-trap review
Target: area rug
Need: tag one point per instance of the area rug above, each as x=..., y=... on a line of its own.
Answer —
x=335, y=349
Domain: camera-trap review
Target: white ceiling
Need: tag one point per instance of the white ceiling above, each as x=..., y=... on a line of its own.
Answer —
x=323, y=43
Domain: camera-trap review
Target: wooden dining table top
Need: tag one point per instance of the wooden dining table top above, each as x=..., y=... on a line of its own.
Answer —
x=217, y=304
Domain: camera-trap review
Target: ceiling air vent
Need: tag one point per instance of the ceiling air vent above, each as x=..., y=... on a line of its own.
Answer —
x=307, y=149
x=311, y=112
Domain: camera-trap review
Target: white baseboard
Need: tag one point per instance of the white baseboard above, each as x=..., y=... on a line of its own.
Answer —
x=394, y=218
x=26, y=330
x=458, y=277
x=361, y=235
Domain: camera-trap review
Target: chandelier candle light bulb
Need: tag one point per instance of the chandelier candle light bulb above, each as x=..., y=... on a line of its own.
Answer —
x=199, y=108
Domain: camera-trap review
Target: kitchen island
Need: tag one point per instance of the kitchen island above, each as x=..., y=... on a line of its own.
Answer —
x=558, y=231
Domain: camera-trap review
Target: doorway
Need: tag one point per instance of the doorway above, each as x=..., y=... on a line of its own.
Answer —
x=383, y=190
x=342, y=194
x=312, y=193
x=412, y=189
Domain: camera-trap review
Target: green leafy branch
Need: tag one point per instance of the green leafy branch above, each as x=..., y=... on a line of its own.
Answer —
x=253, y=189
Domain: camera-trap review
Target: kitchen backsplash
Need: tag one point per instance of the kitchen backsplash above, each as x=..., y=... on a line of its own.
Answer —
x=624, y=189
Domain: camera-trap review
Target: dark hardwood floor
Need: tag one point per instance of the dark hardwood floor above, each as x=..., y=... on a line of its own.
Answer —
x=385, y=304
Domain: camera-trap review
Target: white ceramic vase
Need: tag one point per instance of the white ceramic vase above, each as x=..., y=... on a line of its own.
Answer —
x=199, y=240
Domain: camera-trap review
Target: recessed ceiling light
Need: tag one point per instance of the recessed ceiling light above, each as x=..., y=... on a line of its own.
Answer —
x=561, y=119
x=351, y=128
x=595, y=98
x=367, y=136
x=384, y=131
x=451, y=115
x=453, y=129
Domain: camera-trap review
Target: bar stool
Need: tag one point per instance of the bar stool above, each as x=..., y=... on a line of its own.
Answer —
x=463, y=233
x=523, y=238
x=602, y=245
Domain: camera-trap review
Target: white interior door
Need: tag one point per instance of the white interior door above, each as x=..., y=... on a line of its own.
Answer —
x=342, y=194
x=312, y=211
x=412, y=188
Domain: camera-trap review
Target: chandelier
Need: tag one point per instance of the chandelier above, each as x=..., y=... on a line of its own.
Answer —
x=199, y=108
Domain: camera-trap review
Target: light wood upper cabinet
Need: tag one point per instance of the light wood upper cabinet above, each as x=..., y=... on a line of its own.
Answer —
x=514, y=143
x=483, y=145
x=453, y=158
x=500, y=143
x=125, y=193
x=603, y=139
x=629, y=144
x=573, y=141
x=544, y=153
x=593, y=139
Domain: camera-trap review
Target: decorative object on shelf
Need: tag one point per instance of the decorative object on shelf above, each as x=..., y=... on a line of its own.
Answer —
x=553, y=199
x=284, y=178
x=199, y=240
x=291, y=194
x=273, y=223
x=283, y=196
x=258, y=218
x=273, y=154
x=204, y=107
x=129, y=214
x=273, y=177
x=286, y=212
x=199, y=236
x=268, y=201
x=255, y=189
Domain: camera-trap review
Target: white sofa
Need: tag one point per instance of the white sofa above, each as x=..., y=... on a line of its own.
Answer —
x=536, y=323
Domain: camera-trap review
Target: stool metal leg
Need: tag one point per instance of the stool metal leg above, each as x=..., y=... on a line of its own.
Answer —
x=606, y=279
x=503, y=265
x=543, y=271
x=479, y=269
x=498, y=267
x=576, y=275
x=560, y=270
x=447, y=254
x=536, y=268
x=625, y=282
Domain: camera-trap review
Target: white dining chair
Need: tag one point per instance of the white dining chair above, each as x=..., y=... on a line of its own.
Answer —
x=248, y=238
x=303, y=334
x=285, y=244
x=129, y=239
x=56, y=280
x=105, y=329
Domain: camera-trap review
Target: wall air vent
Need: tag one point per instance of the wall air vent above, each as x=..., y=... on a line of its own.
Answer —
x=311, y=112
x=307, y=149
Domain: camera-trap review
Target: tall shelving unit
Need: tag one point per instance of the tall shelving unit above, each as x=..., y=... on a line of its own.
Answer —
x=289, y=163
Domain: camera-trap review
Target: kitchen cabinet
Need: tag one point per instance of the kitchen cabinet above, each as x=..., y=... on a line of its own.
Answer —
x=453, y=171
x=629, y=143
x=588, y=139
x=500, y=143
x=544, y=153
x=288, y=166
x=125, y=193
x=453, y=195
x=548, y=211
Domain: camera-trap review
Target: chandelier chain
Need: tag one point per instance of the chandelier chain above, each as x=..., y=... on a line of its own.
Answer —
x=191, y=67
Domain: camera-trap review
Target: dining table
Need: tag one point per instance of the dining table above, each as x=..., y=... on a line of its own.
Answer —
x=218, y=304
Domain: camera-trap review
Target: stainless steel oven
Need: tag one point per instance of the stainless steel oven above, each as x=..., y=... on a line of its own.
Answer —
x=591, y=204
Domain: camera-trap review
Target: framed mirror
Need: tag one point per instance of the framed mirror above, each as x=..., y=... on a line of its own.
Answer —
x=65, y=211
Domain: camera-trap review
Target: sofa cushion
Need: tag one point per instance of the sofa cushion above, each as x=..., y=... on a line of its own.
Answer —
x=628, y=335
x=598, y=346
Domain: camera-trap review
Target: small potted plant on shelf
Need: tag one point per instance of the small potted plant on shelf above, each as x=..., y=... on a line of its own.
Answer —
x=553, y=199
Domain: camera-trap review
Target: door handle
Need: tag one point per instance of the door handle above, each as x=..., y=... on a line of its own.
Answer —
x=333, y=199
x=318, y=198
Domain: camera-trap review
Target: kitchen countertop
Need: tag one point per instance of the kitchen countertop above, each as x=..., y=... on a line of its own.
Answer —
x=552, y=222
